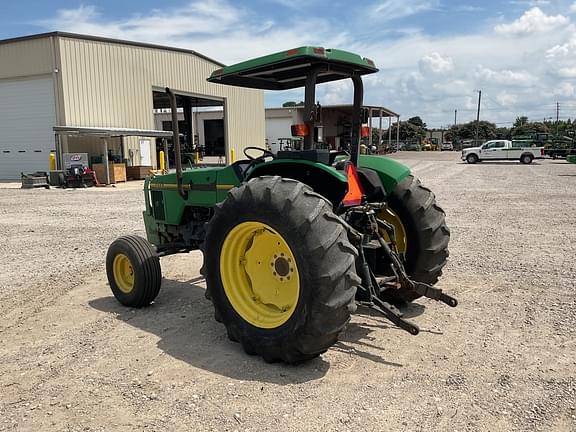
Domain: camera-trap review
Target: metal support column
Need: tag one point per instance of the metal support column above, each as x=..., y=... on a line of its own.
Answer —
x=380, y=129
x=369, y=128
x=397, y=132
x=105, y=161
x=188, y=119
x=58, y=148
x=389, y=132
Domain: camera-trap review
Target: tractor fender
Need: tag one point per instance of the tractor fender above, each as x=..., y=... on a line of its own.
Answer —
x=390, y=171
x=323, y=179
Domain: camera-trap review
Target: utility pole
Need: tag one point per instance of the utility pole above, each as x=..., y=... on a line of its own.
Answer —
x=557, y=115
x=478, y=117
x=455, y=114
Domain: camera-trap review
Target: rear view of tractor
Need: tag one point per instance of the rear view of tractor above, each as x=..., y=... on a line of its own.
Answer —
x=292, y=242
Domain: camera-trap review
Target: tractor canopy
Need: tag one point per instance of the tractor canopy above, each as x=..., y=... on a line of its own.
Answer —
x=289, y=69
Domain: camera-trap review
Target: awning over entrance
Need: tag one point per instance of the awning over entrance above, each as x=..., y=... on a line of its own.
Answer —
x=105, y=134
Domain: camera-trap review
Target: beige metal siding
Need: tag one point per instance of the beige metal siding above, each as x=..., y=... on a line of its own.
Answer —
x=108, y=84
x=26, y=58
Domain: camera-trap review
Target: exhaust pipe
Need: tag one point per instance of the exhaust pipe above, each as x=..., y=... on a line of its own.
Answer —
x=176, y=139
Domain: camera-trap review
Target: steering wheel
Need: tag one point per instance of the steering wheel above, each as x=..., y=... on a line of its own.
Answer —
x=264, y=155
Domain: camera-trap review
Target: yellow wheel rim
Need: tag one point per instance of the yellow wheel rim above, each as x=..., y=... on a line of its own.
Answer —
x=401, y=239
x=259, y=274
x=123, y=273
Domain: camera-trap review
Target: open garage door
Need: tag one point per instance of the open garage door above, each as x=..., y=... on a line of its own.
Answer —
x=27, y=115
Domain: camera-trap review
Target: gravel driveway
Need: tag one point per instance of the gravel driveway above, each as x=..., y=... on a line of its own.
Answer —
x=72, y=359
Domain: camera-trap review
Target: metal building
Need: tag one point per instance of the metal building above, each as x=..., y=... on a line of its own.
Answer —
x=63, y=79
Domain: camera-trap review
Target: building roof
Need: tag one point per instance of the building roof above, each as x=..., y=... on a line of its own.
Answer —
x=107, y=40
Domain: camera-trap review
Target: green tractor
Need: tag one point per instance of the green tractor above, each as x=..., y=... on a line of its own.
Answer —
x=292, y=242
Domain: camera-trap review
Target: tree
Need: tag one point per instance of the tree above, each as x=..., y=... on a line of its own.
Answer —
x=503, y=133
x=408, y=131
x=417, y=121
x=523, y=127
x=292, y=104
x=486, y=131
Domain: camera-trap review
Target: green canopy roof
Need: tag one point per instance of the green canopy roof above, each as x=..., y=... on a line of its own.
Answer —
x=288, y=69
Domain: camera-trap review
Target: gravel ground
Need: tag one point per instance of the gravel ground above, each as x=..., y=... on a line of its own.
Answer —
x=72, y=359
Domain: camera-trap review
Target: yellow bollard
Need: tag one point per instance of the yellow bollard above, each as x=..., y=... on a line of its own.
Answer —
x=162, y=160
x=232, y=156
x=52, y=162
x=196, y=156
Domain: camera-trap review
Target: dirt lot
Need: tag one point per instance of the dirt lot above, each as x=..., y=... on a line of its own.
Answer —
x=72, y=359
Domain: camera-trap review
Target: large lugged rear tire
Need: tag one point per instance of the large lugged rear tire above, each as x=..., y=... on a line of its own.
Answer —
x=133, y=270
x=427, y=235
x=280, y=270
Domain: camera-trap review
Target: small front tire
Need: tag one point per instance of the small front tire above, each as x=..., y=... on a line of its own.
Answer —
x=133, y=270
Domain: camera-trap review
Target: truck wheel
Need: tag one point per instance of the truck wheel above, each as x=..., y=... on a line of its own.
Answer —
x=526, y=159
x=280, y=270
x=133, y=271
x=421, y=233
x=471, y=158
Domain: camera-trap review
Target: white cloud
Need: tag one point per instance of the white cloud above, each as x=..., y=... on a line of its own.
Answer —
x=533, y=21
x=565, y=89
x=531, y=3
x=216, y=28
x=562, y=50
x=393, y=9
x=468, y=8
x=573, y=7
x=435, y=63
x=507, y=99
x=567, y=72
x=420, y=74
x=504, y=76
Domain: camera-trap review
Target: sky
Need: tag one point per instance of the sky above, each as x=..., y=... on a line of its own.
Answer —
x=433, y=55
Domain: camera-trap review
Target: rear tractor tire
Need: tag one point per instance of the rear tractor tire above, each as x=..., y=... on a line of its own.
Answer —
x=133, y=270
x=422, y=235
x=280, y=270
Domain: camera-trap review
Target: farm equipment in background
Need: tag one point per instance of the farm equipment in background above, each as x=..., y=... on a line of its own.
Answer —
x=35, y=180
x=555, y=145
x=292, y=241
x=78, y=176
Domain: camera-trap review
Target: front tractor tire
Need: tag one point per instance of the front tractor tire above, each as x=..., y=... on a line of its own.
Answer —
x=133, y=270
x=424, y=236
x=280, y=270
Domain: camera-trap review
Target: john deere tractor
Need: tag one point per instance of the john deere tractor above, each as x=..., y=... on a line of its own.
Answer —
x=292, y=241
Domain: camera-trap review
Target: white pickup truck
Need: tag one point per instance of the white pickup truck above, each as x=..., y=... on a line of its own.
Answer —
x=502, y=150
